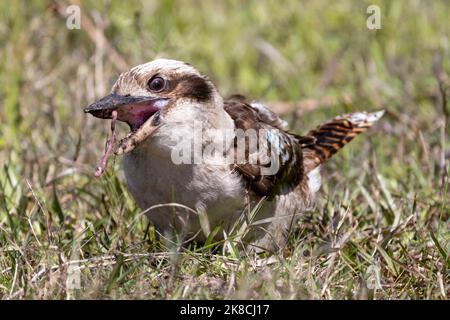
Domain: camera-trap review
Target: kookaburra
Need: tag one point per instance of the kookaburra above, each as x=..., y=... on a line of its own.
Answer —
x=191, y=164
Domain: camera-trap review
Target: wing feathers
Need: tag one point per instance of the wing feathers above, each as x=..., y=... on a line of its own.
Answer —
x=298, y=155
x=285, y=147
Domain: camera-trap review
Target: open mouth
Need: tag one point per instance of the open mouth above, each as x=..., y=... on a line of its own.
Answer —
x=140, y=113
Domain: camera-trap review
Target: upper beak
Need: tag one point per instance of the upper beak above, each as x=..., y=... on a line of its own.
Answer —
x=104, y=107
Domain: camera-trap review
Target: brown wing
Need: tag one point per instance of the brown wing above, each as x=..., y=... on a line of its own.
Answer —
x=333, y=135
x=283, y=165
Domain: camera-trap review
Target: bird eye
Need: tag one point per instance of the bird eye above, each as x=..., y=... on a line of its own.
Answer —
x=156, y=84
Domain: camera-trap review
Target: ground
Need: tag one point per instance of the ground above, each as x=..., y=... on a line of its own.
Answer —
x=380, y=229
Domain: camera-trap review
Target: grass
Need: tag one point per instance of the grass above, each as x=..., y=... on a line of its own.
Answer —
x=380, y=229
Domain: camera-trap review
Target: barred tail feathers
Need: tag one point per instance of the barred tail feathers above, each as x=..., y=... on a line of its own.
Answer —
x=333, y=135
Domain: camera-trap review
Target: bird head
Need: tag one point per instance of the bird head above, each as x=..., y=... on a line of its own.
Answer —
x=156, y=93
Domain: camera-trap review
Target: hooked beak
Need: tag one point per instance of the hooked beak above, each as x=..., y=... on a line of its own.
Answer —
x=140, y=112
x=104, y=107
